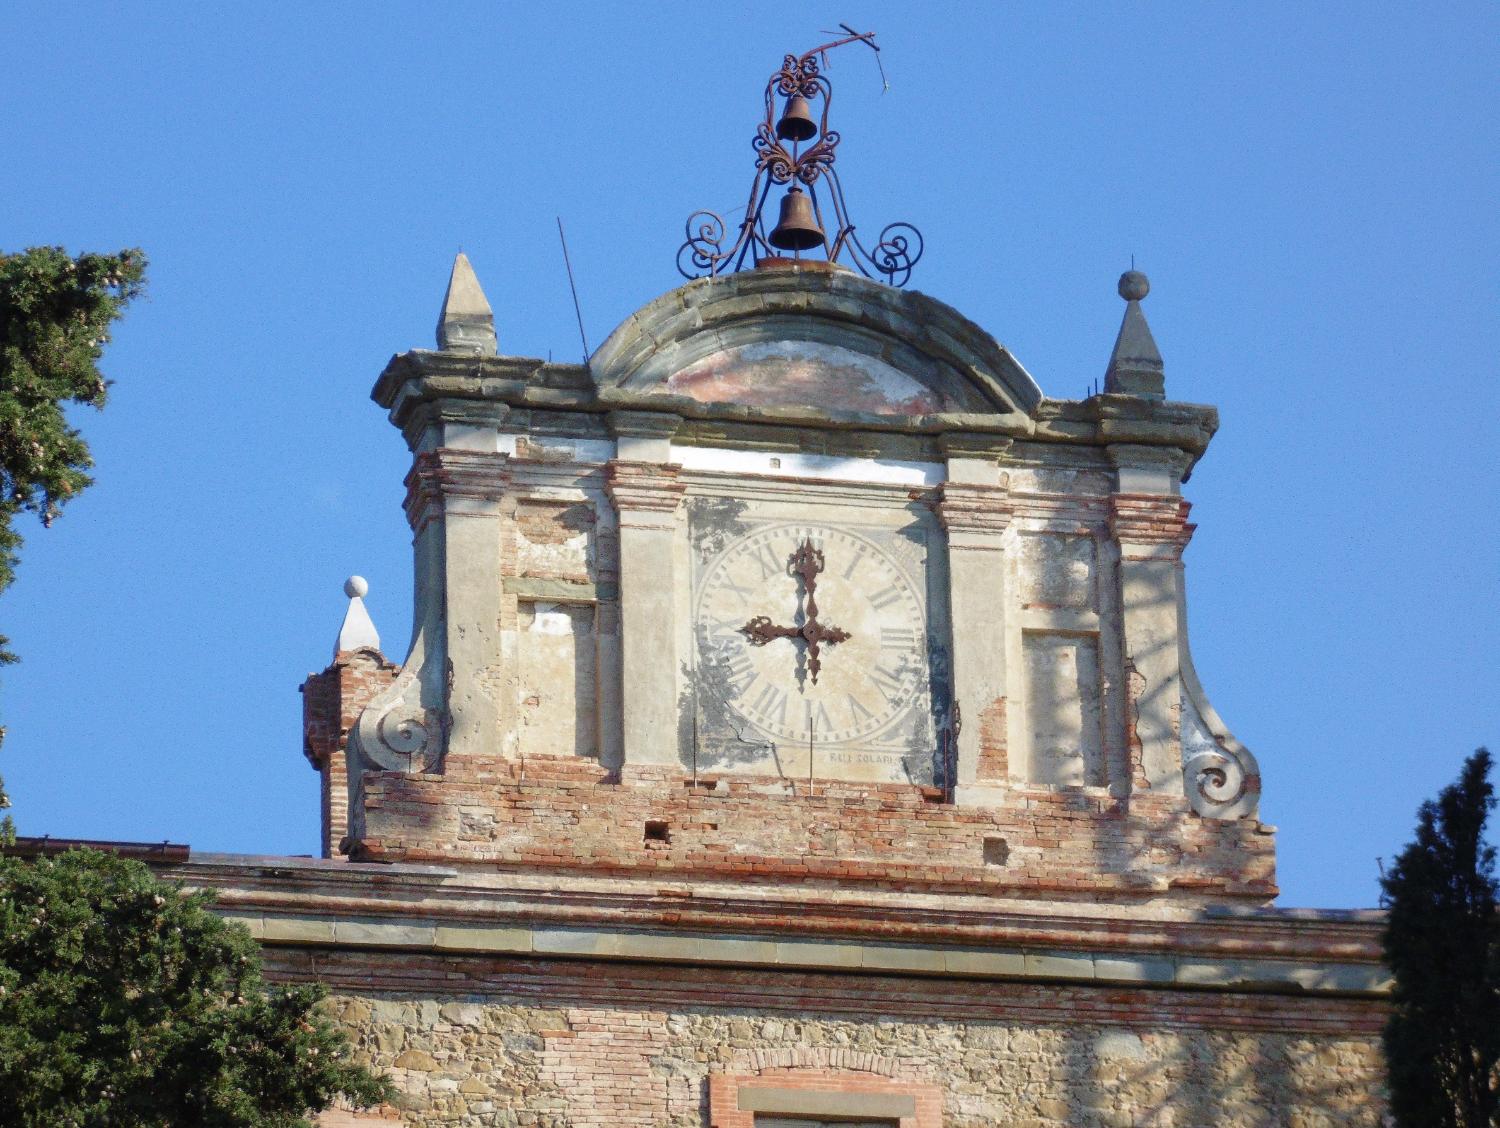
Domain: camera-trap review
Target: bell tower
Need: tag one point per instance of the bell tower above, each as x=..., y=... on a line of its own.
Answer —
x=802, y=577
x=799, y=726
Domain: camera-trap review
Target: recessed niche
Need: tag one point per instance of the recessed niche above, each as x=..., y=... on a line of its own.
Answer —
x=996, y=852
x=657, y=831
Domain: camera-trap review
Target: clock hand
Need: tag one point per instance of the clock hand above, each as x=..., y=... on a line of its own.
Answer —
x=760, y=630
x=815, y=633
x=806, y=562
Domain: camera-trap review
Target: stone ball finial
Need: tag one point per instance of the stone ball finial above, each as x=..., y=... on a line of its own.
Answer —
x=356, y=587
x=1134, y=286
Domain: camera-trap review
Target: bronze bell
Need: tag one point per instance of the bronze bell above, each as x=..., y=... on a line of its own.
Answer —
x=796, y=122
x=798, y=229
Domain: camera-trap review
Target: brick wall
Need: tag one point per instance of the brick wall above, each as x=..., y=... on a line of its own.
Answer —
x=564, y=813
x=331, y=703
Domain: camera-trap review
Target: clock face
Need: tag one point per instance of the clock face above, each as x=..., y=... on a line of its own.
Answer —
x=814, y=636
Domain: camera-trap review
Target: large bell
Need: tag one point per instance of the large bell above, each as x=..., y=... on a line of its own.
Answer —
x=798, y=228
x=796, y=122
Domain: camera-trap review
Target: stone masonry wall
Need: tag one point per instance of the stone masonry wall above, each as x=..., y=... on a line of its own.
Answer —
x=514, y=1043
x=566, y=813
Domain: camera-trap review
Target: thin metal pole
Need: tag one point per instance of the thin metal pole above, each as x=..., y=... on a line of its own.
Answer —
x=577, y=309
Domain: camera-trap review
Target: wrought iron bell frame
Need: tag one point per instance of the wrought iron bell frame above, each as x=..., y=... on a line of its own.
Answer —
x=781, y=161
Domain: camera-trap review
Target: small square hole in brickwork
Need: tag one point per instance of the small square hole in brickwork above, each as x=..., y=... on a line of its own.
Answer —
x=775, y=464
x=657, y=831
x=996, y=851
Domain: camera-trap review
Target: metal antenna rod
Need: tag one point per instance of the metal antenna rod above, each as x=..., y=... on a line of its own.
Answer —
x=577, y=309
x=869, y=40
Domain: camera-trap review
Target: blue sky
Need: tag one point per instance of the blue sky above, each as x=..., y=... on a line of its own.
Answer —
x=1312, y=189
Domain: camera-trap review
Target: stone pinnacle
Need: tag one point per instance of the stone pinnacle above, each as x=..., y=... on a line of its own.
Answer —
x=1135, y=367
x=467, y=324
x=358, y=630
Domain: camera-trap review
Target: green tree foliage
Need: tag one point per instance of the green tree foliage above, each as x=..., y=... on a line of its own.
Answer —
x=127, y=1003
x=55, y=317
x=1442, y=943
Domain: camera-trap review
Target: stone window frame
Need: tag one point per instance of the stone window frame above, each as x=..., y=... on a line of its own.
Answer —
x=735, y=1098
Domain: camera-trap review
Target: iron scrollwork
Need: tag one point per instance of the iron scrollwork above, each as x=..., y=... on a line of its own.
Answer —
x=712, y=247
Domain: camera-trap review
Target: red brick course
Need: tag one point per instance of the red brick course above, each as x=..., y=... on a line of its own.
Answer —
x=568, y=813
x=724, y=1093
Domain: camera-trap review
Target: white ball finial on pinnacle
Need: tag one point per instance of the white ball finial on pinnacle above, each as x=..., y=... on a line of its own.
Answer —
x=358, y=631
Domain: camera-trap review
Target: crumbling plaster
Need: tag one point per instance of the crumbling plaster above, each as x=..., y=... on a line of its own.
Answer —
x=1059, y=528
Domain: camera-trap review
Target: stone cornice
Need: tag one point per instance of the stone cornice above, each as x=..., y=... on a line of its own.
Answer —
x=304, y=902
x=517, y=385
x=1139, y=456
x=446, y=473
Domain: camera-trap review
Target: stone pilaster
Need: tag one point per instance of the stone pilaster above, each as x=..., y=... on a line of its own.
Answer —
x=446, y=700
x=1151, y=530
x=975, y=510
x=647, y=496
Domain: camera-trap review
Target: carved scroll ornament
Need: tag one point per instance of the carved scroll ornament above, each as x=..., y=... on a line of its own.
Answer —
x=396, y=732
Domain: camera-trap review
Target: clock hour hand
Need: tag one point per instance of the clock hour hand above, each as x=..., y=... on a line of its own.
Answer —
x=760, y=630
x=816, y=633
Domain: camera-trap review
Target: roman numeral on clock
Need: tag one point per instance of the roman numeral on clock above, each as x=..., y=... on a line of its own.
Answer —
x=888, y=681
x=897, y=638
x=771, y=703
x=886, y=596
x=740, y=670
x=730, y=585
x=770, y=565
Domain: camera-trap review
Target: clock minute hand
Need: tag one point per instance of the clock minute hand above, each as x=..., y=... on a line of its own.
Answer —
x=807, y=562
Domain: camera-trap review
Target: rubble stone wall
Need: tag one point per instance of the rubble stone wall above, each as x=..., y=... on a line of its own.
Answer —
x=563, y=1045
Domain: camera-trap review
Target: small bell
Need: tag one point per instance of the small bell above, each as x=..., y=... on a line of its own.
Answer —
x=798, y=229
x=796, y=122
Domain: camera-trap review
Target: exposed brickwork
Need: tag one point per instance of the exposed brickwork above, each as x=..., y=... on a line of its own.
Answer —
x=331, y=703
x=724, y=1092
x=343, y=1118
x=561, y=813
x=994, y=758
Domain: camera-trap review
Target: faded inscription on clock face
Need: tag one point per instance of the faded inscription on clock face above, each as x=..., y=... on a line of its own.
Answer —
x=812, y=654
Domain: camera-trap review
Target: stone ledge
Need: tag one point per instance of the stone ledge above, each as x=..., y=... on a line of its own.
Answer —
x=466, y=907
x=746, y=951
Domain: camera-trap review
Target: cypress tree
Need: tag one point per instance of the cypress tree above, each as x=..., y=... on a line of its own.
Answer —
x=1442, y=1041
